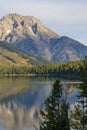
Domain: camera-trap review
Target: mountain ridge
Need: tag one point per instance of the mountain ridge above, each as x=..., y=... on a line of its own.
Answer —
x=28, y=34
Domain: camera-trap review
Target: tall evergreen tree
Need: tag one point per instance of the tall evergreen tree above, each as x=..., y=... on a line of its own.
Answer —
x=83, y=94
x=78, y=117
x=55, y=114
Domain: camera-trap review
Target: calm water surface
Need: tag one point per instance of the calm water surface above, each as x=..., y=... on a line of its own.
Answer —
x=21, y=100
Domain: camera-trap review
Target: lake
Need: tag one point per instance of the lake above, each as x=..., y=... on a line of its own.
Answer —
x=22, y=98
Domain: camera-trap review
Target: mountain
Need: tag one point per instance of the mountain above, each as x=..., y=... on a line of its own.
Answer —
x=66, y=49
x=27, y=33
x=9, y=55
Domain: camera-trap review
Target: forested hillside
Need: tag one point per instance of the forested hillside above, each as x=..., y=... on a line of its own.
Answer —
x=70, y=69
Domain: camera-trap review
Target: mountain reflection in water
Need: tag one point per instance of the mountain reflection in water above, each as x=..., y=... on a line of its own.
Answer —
x=21, y=100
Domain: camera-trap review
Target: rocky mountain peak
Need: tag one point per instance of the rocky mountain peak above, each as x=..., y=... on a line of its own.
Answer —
x=17, y=24
x=27, y=33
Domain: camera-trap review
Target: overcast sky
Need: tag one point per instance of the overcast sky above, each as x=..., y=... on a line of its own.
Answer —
x=65, y=17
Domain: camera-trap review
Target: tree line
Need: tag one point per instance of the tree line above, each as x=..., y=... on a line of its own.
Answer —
x=70, y=69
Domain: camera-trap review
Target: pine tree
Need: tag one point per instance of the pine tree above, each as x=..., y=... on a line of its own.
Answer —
x=75, y=118
x=83, y=94
x=55, y=114
x=78, y=117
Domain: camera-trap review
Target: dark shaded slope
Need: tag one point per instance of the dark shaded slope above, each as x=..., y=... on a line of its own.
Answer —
x=66, y=49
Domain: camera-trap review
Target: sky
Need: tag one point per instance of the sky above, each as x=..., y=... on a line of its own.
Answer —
x=65, y=17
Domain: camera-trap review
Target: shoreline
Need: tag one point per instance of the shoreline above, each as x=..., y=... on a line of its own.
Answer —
x=40, y=75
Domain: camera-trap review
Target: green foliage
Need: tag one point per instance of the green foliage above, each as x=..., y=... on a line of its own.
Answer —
x=75, y=118
x=83, y=74
x=78, y=116
x=55, y=114
x=68, y=70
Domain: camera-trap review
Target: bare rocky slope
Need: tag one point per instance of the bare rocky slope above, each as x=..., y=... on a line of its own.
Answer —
x=9, y=55
x=28, y=34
